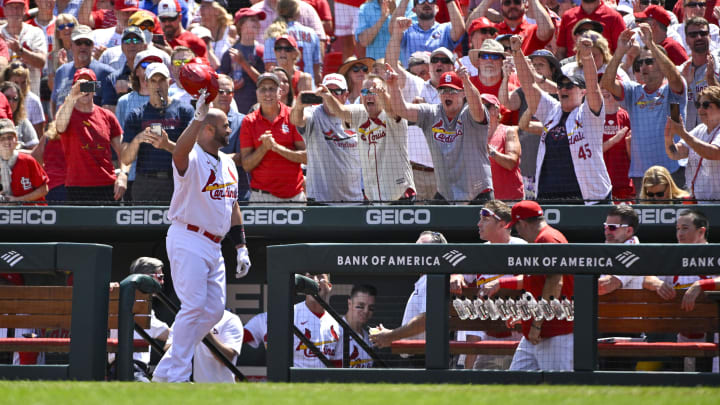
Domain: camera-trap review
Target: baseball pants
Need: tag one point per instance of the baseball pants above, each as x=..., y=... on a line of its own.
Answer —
x=198, y=275
x=551, y=354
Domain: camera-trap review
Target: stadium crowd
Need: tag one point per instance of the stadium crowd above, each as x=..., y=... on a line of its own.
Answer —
x=380, y=101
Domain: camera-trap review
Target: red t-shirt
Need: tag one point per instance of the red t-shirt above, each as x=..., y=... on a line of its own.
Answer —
x=275, y=174
x=323, y=9
x=5, y=109
x=616, y=158
x=709, y=6
x=676, y=52
x=507, y=184
x=609, y=18
x=534, y=283
x=27, y=175
x=86, y=143
x=191, y=41
x=54, y=159
x=531, y=42
x=4, y=51
x=508, y=117
x=104, y=18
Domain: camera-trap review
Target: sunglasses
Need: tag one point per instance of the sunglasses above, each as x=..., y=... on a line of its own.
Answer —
x=418, y=2
x=367, y=92
x=614, y=227
x=357, y=68
x=647, y=61
x=15, y=98
x=145, y=64
x=485, y=212
x=132, y=40
x=17, y=65
x=288, y=48
x=337, y=92
x=146, y=26
x=511, y=2
x=645, y=3
x=180, y=62
x=168, y=19
x=704, y=105
x=488, y=31
x=658, y=194
x=695, y=4
x=159, y=276
x=437, y=59
x=566, y=85
x=448, y=90
x=225, y=92
x=696, y=34
x=84, y=42
x=489, y=56
x=63, y=26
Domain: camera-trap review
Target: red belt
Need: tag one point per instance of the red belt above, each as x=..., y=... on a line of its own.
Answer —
x=214, y=238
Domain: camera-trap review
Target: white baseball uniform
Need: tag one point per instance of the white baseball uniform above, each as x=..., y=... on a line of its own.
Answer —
x=323, y=331
x=358, y=357
x=256, y=331
x=631, y=282
x=207, y=368
x=200, y=212
x=157, y=328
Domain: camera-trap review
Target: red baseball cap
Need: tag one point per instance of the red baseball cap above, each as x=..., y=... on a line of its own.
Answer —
x=451, y=80
x=84, y=72
x=13, y=278
x=16, y=1
x=288, y=38
x=489, y=98
x=480, y=23
x=656, y=12
x=523, y=210
x=249, y=12
x=127, y=5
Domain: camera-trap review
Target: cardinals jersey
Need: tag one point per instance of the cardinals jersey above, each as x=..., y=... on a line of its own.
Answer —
x=322, y=330
x=358, y=357
x=205, y=195
x=256, y=331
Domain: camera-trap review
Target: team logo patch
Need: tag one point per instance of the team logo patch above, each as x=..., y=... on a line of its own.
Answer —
x=448, y=79
x=285, y=128
x=219, y=191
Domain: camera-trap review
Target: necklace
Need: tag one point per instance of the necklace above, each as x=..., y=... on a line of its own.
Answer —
x=213, y=161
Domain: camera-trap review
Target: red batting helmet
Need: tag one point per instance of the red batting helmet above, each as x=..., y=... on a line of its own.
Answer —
x=197, y=75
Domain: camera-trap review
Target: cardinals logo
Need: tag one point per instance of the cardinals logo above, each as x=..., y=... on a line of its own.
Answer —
x=220, y=191
x=442, y=135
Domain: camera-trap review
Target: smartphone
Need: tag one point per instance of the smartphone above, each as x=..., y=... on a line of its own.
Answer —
x=156, y=129
x=675, y=112
x=309, y=98
x=158, y=39
x=88, y=87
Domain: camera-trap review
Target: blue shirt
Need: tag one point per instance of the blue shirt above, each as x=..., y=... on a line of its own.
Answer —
x=174, y=119
x=416, y=39
x=150, y=6
x=648, y=115
x=125, y=104
x=245, y=97
x=235, y=118
x=109, y=95
x=307, y=41
x=72, y=8
x=369, y=14
x=64, y=81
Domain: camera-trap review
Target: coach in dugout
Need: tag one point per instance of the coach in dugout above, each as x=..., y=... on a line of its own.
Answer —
x=570, y=163
x=546, y=345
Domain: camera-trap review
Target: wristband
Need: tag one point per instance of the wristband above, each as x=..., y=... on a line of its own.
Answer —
x=509, y=283
x=707, y=285
x=237, y=234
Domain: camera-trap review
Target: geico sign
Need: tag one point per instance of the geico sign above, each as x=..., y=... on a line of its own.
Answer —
x=272, y=217
x=27, y=217
x=142, y=217
x=403, y=216
x=656, y=215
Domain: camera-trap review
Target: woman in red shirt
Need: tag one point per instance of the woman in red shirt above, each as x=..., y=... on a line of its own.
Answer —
x=21, y=177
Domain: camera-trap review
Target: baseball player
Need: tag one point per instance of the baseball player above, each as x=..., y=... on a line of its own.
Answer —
x=361, y=305
x=620, y=226
x=203, y=209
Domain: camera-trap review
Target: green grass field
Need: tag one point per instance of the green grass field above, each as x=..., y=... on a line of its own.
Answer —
x=60, y=393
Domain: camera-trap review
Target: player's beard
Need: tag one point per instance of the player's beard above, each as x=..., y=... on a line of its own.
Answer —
x=221, y=138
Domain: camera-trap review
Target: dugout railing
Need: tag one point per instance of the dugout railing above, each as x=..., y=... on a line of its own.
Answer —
x=585, y=261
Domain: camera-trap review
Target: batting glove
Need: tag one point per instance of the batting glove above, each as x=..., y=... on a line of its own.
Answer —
x=201, y=107
x=243, y=263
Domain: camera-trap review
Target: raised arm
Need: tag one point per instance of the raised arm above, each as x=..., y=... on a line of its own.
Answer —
x=368, y=36
x=666, y=66
x=510, y=100
x=609, y=81
x=472, y=94
x=527, y=82
x=705, y=150
x=545, y=26
x=184, y=144
x=510, y=159
x=456, y=21
x=399, y=106
x=332, y=104
x=674, y=151
x=392, y=53
x=64, y=114
x=592, y=89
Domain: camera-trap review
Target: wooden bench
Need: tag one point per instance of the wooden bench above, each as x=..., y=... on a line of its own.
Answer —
x=37, y=307
x=622, y=312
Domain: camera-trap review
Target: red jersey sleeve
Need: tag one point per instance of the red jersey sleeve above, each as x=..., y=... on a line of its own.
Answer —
x=246, y=132
x=531, y=42
x=38, y=177
x=5, y=110
x=4, y=52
